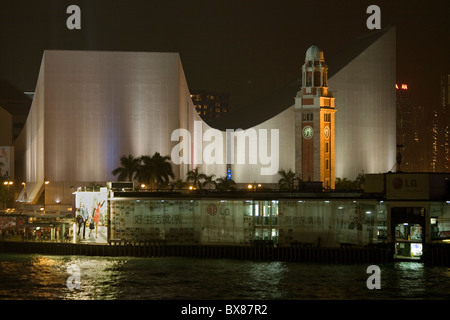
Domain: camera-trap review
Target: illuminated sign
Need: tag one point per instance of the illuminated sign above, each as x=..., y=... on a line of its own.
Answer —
x=407, y=186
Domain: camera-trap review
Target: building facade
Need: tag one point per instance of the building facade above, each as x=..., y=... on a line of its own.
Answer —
x=210, y=105
x=90, y=108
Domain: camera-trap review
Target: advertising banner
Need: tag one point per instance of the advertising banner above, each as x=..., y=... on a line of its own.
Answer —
x=407, y=186
x=91, y=216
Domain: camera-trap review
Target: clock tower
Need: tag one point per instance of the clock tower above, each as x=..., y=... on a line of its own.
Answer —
x=314, y=123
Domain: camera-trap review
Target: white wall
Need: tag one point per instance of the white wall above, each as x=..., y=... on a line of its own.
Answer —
x=366, y=110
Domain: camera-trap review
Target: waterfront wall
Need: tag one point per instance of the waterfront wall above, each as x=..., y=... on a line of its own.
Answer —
x=295, y=253
x=433, y=254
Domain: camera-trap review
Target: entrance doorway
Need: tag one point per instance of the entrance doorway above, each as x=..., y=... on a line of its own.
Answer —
x=408, y=241
x=408, y=232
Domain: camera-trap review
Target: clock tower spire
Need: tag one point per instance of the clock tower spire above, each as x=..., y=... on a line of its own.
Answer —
x=314, y=122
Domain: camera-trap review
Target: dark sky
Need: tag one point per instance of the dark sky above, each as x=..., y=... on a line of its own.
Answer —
x=243, y=47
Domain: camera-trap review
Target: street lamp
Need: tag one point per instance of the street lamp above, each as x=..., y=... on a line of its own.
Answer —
x=254, y=186
x=8, y=183
x=46, y=182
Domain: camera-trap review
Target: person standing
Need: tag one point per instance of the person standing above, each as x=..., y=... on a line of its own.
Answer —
x=85, y=216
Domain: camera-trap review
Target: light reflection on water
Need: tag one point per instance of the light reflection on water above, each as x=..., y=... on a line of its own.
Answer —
x=107, y=278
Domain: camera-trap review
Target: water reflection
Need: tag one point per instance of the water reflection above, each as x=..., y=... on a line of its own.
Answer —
x=99, y=278
x=103, y=278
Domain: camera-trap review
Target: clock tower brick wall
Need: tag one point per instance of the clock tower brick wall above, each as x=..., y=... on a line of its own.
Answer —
x=314, y=109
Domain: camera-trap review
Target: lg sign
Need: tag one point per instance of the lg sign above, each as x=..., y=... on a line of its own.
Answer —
x=398, y=183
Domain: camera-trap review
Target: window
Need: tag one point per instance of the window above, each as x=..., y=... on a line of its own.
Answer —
x=308, y=117
x=308, y=79
x=327, y=117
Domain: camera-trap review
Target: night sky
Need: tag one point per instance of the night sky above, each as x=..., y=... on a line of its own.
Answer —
x=242, y=47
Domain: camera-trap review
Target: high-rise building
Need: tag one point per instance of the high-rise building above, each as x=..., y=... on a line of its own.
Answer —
x=409, y=133
x=14, y=108
x=441, y=129
x=209, y=104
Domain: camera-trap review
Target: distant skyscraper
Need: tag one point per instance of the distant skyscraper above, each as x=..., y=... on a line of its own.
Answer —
x=14, y=104
x=441, y=129
x=412, y=137
x=210, y=105
x=404, y=126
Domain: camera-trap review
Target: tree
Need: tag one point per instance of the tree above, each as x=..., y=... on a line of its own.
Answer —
x=179, y=185
x=3, y=193
x=224, y=183
x=128, y=169
x=195, y=176
x=347, y=184
x=155, y=170
x=287, y=179
x=359, y=182
x=343, y=184
x=209, y=181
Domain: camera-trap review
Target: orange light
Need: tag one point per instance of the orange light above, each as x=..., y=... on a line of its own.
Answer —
x=404, y=86
x=396, y=86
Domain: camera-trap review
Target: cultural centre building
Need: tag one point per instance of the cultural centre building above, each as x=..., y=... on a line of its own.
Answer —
x=92, y=107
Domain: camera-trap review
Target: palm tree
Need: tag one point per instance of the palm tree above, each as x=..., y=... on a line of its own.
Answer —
x=128, y=169
x=195, y=176
x=287, y=179
x=225, y=184
x=178, y=185
x=155, y=170
x=209, y=180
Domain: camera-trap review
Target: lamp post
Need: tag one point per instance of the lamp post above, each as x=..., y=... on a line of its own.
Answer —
x=8, y=183
x=254, y=186
x=25, y=196
x=46, y=182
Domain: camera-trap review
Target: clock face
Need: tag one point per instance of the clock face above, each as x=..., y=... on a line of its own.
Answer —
x=308, y=132
x=326, y=132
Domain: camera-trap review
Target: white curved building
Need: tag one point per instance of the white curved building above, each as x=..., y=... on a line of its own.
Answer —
x=92, y=107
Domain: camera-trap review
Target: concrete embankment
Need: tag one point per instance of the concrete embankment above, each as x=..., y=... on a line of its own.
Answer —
x=256, y=252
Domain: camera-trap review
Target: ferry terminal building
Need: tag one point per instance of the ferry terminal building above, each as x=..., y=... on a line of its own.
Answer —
x=404, y=212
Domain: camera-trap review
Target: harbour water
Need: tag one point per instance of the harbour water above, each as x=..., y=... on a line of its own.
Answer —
x=50, y=277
